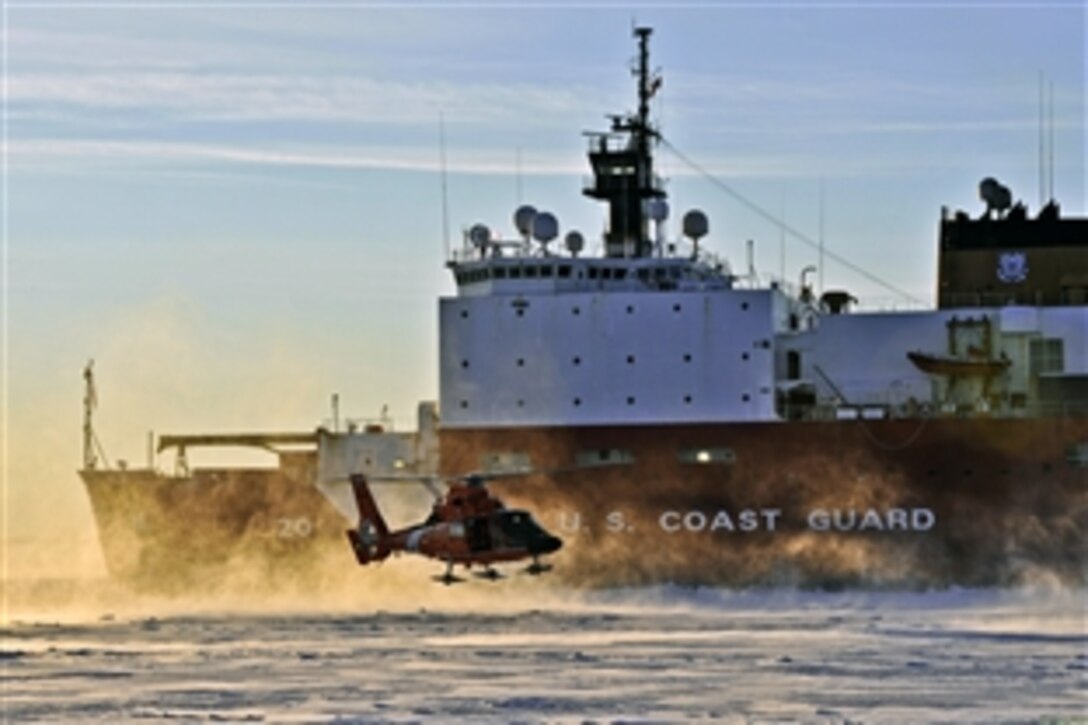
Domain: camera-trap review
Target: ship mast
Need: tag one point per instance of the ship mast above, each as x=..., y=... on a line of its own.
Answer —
x=623, y=171
x=90, y=401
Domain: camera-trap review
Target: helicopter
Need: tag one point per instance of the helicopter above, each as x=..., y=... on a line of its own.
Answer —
x=467, y=526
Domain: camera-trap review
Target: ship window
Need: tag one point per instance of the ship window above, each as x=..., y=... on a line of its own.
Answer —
x=576, y=310
x=660, y=272
x=577, y=361
x=630, y=309
x=464, y=403
x=630, y=400
x=546, y=271
x=1047, y=356
x=744, y=305
x=464, y=313
x=530, y=271
x=521, y=313
x=521, y=403
x=515, y=272
x=793, y=365
x=644, y=274
x=674, y=273
x=746, y=397
x=577, y=402
x=687, y=400
x=621, y=274
x=744, y=356
x=592, y=272
x=676, y=308
x=630, y=359
x=464, y=363
x=564, y=270
x=521, y=362
x=500, y=273
x=606, y=273
x=687, y=358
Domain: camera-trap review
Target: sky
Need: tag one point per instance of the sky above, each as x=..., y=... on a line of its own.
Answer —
x=235, y=208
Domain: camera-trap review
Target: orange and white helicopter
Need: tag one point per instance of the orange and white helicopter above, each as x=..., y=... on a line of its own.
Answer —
x=467, y=526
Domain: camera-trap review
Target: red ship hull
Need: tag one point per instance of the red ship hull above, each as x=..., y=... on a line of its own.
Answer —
x=926, y=502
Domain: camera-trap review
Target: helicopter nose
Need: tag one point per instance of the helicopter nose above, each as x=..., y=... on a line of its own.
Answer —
x=548, y=545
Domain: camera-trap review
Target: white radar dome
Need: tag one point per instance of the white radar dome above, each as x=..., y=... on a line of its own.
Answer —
x=659, y=210
x=479, y=235
x=695, y=224
x=523, y=219
x=575, y=242
x=545, y=227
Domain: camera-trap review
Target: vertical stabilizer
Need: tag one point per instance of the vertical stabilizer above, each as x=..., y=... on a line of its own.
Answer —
x=369, y=540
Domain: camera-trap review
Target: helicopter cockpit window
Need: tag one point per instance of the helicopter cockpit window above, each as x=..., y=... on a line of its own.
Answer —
x=457, y=530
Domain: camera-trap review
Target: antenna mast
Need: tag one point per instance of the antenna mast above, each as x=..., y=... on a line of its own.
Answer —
x=90, y=402
x=445, y=190
x=1042, y=163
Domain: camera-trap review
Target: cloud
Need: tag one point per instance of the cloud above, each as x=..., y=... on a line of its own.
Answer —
x=247, y=97
x=71, y=153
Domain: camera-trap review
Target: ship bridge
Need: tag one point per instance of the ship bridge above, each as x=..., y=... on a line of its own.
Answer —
x=539, y=275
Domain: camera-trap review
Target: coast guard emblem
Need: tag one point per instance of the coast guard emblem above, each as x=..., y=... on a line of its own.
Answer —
x=1012, y=267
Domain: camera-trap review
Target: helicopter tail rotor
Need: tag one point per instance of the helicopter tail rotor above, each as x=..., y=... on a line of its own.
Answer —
x=369, y=540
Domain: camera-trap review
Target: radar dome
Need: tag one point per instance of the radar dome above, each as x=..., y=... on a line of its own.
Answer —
x=659, y=210
x=523, y=219
x=545, y=227
x=479, y=235
x=575, y=242
x=695, y=224
x=996, y=195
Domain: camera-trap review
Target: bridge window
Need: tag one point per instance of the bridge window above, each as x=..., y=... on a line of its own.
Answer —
x=1047, y=356
x=564, y=270
x=530, y=271
x=515, y=273
x=500, y=273
x=546, y=271
x=592, y=271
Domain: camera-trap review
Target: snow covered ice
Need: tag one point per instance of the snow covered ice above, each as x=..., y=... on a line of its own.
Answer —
x=508, y=653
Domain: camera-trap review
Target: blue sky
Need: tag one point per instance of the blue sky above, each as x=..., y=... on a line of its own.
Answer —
x=237, y=211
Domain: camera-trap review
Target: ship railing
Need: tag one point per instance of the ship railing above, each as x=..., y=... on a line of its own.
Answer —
x=825, y=412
